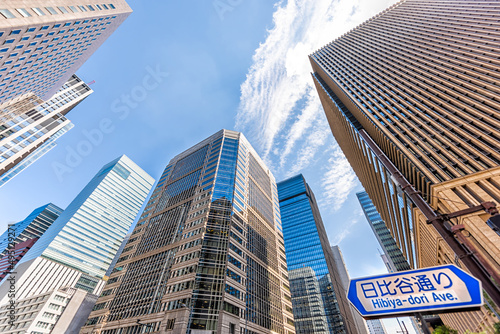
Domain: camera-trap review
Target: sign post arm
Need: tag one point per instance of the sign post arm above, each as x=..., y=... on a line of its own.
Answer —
x=470, y=262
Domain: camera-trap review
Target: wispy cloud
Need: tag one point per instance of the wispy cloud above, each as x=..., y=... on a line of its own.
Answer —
x=279, y=78
x=279, y=110
x=339, y=179
x=345, y=229
x=315, y=139
x=339, y=237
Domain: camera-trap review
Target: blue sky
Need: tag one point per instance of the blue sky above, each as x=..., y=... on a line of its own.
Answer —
x=177, y=71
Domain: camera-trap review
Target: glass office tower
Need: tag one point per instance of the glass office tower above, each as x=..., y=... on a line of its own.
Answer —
x=33, y=226
x=319, y=302
x=396, y=259
x=87, y=235
x=25, y=234
x=392, y=256
x=77, y=249
x=207, y=255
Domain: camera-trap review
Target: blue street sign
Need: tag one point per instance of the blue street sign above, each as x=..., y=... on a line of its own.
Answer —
x=435, y=288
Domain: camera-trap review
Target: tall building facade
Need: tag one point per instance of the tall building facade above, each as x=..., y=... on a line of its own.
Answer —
x=410, y=94
x=394, y=259
x=77, y=249
x=376, y=327
x=26, y=136
x=341, y=268
x=31, y=227
x=20, y=237
x=319, y=300
x=207, y=255
x=44, y=42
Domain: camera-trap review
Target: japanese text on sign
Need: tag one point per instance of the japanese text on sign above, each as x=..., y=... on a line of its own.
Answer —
x=422, y=289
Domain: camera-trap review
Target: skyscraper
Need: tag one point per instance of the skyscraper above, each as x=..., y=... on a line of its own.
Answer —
x=410, y=97
x=45, y=41
x=392, y=256
x=207, y=255
x=26, y=136
x=341, y=268
x=77, y=249
x=395, y=259
x=376, y=327
x=25, y=233
x=319, y=300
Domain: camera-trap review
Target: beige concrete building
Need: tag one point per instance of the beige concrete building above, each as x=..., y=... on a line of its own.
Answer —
x=44, y=42
x=51, y=312
x=42, y=45
x=411, y=95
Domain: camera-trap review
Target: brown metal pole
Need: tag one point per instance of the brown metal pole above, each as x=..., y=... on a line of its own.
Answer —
x=420, y=317
x=457, y=229
x=468, y=259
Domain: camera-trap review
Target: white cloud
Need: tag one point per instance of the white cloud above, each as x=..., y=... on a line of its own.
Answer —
x=279, y=111
x=339, y=237
x=315, y=139
x=279, y=77
x=339, y=179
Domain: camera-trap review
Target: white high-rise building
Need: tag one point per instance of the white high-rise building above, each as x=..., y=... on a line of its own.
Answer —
x=32, y=130
x=361, y=324
x=376, y=327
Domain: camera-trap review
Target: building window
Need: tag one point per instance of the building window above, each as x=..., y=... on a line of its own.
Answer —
x=23, y=12
x=38, y=11
x=51, y=10
x=91, y=8
x=62, y=9
x=170, y=324
x=73, y=9
x=7, y=14
x=232, y=328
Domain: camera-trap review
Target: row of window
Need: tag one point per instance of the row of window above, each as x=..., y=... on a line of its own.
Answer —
x=52, y=11
x=67, y=25
x=55, y=65
x=44, y=81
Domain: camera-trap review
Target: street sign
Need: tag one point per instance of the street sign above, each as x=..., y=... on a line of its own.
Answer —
x=421, y=290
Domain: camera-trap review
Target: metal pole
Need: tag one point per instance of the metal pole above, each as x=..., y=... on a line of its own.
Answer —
x=403, y=330
x=468, y=259
x=423, y=323
x=406, y=330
